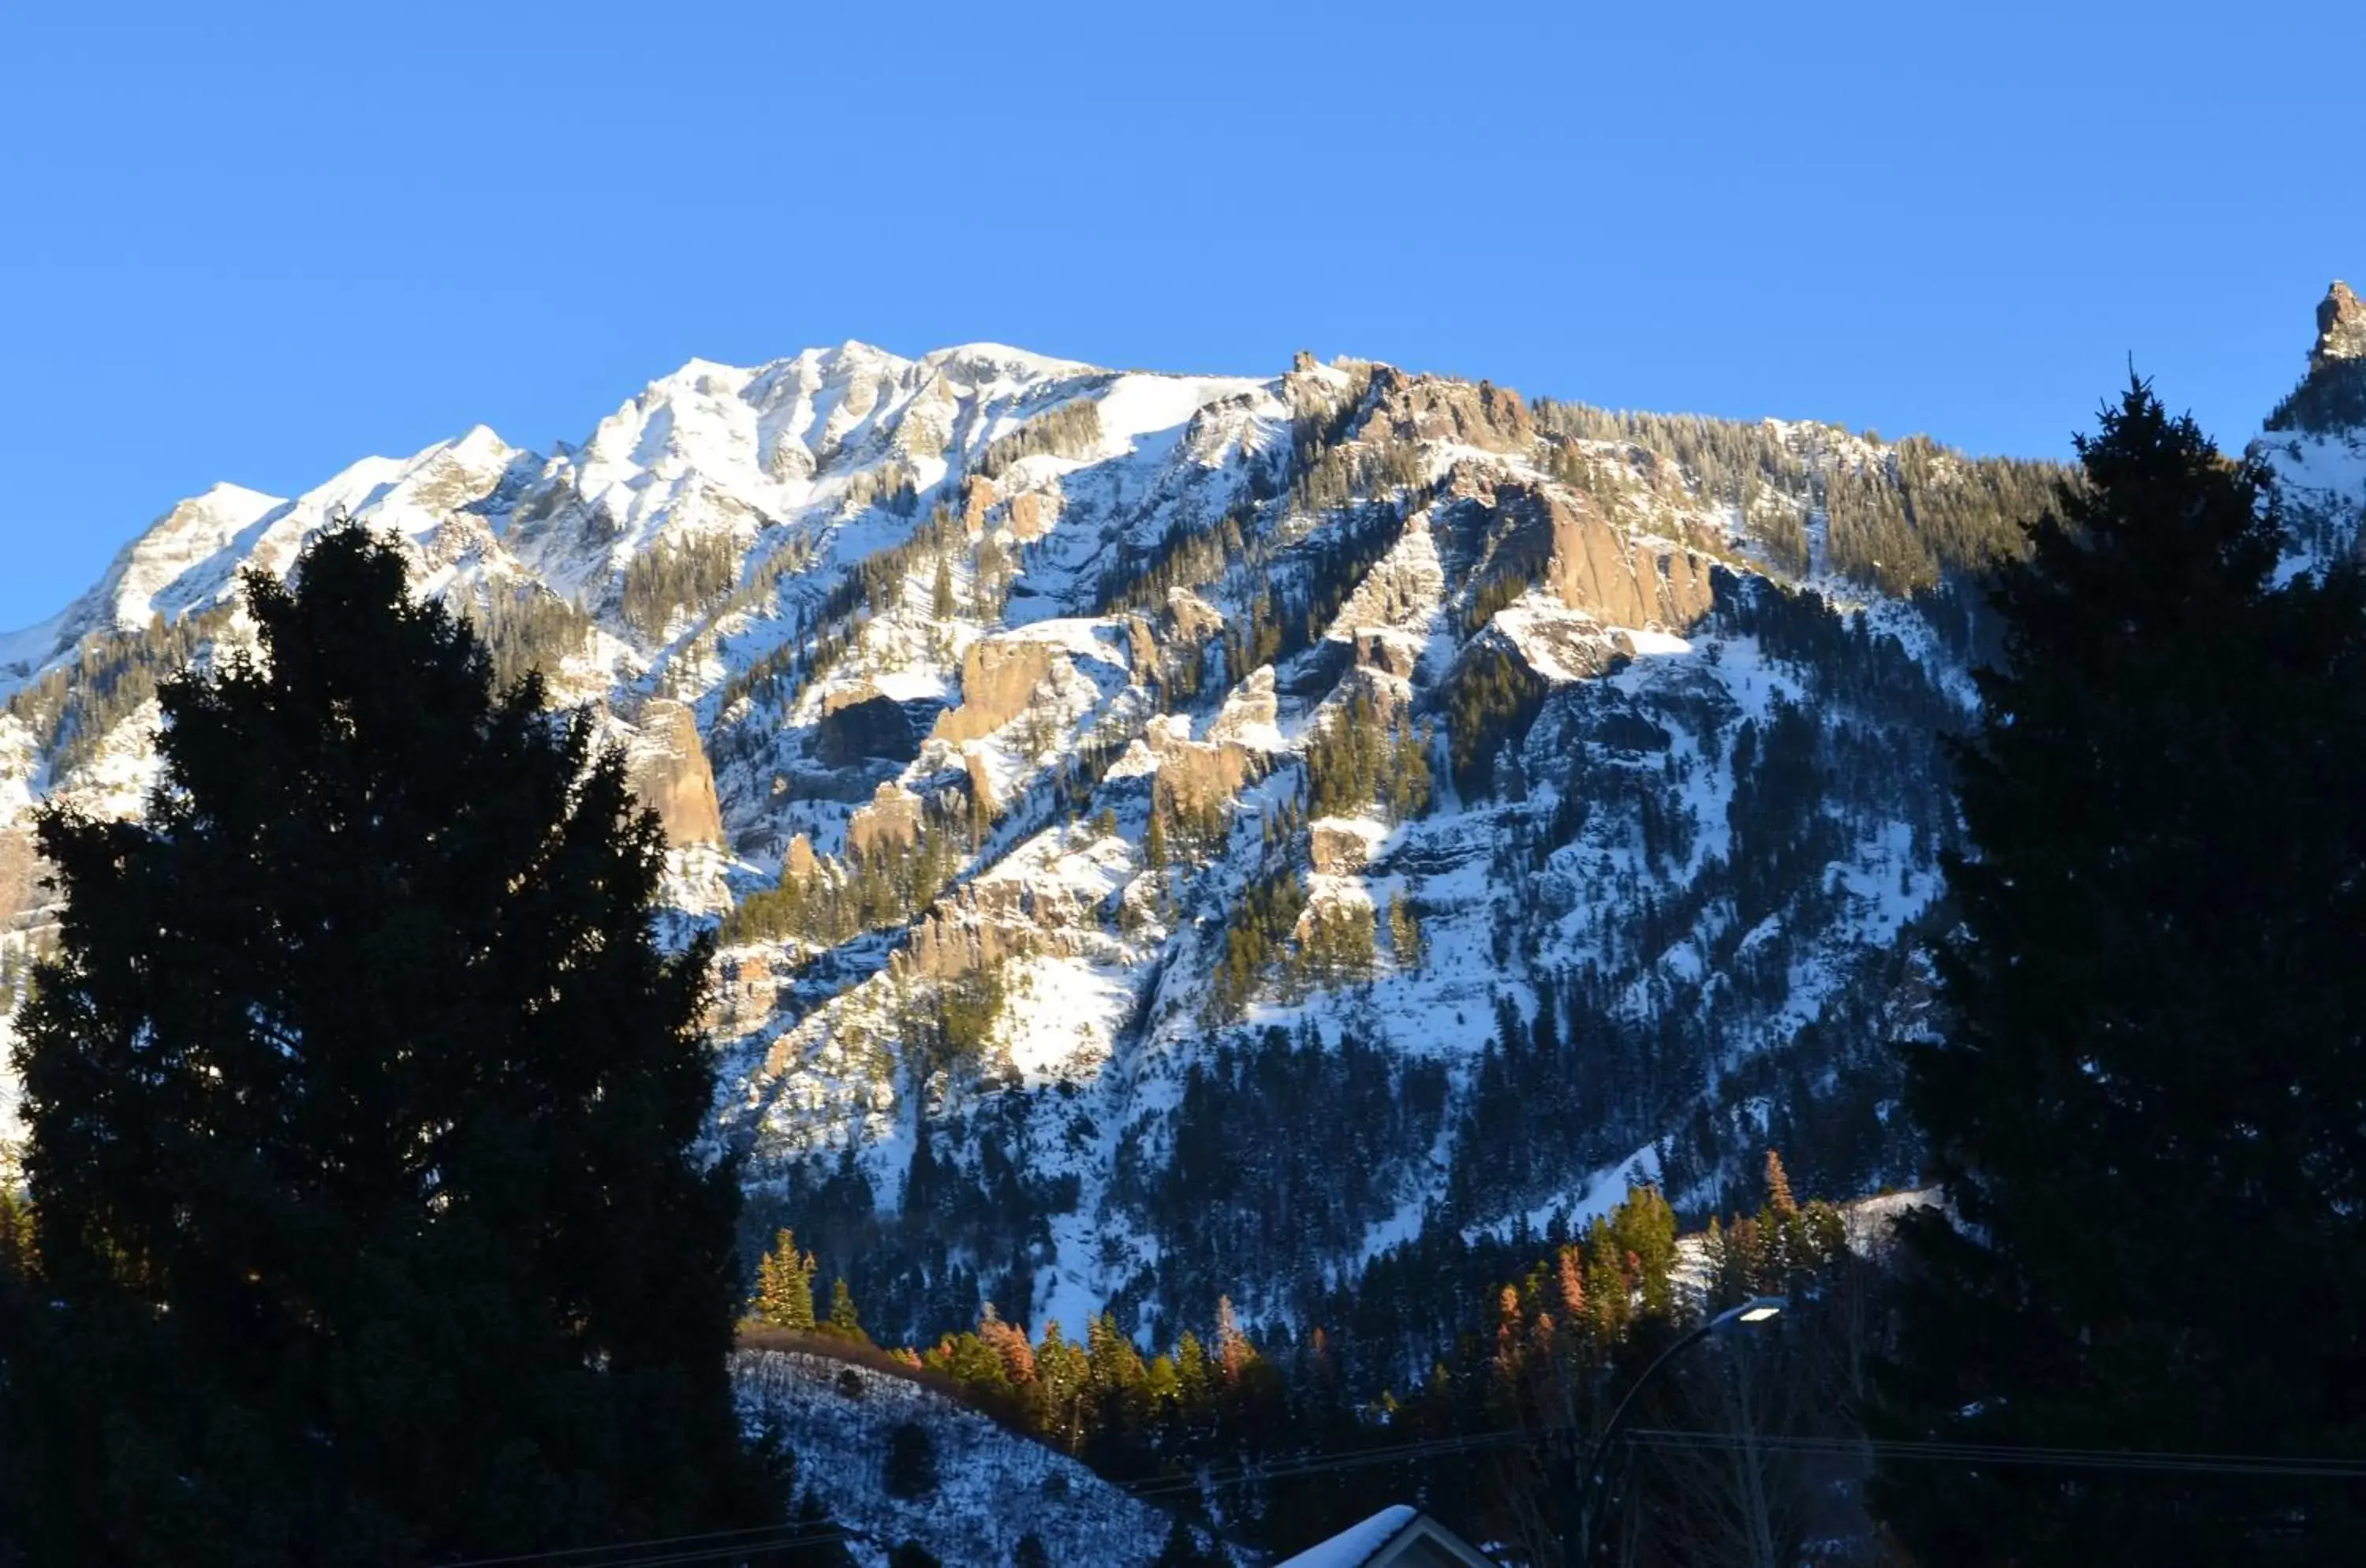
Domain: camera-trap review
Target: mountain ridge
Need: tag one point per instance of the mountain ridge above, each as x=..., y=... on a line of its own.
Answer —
x=1174, y=836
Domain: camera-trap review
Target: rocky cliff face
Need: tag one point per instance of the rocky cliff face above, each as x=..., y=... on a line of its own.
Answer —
x=1177, y=836
x=670, y=775
x=2341, y=326
x=1610, y=574
x=1424, y=409
x=2315, y=439
x=998, y=681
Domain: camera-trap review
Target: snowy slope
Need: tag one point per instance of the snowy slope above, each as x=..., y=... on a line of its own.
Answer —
x=2314, y=443
x=917, y=651
x=992, y=1488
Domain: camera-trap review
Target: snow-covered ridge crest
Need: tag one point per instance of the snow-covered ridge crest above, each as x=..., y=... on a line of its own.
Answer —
x=766, y=442
x=190, y=558
x=1105, y=781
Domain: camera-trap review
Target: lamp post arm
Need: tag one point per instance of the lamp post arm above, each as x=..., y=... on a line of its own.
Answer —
x=1580, y=1542
x=1577, y=1546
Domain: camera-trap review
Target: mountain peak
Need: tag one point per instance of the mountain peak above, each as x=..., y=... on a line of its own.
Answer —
x=991, y=360
x=2340, y=326
x=223, y=492
x=2330, y=402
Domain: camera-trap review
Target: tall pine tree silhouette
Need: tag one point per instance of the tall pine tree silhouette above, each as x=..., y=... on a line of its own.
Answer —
x=2149, y=1104
x=362, y=1107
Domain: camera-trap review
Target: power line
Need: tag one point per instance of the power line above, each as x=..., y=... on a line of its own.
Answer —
x=736, y=1539
x=1285, y=1470
x=2138, y=1461
x=723, y=1544
x=2134, y=1460
x=721, y=1553
x=1282, y=1470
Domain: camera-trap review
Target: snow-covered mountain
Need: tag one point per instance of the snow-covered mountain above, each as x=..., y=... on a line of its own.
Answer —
x=1177, y=836
x=2316, y=440
x=894, y=1461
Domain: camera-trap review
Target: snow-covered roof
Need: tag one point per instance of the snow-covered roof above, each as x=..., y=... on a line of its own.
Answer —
x=1402, y=1536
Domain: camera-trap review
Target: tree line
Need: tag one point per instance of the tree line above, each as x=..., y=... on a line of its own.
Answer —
x=289, y=1279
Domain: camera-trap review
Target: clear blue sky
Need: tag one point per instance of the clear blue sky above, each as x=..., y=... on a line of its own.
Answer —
x=254, y=244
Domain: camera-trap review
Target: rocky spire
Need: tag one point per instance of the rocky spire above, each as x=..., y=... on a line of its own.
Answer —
x=2341, y=326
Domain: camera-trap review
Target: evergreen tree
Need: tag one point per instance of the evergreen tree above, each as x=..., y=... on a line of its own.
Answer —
x=940, y=595
x=1183, y=1549
x=1154, y=843
x=1404, y=932
x=2156, y=1008
x=1778, y=1186
x=674, y=576
x=362, y=1106
x=843, y=1321
x=911, y=1467
x=784, y=1286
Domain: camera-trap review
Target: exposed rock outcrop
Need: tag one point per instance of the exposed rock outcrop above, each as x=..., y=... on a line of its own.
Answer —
x=1249, y=709
x=746, y=992
x=945, y=947
x=2341, y=326
x=1620, y=582
x=784, y=456
x=458, y=539
x=1031, y=515
x=1569, y=547
x=2329, y=400
x=1142, y=644
x=1197, y=774
x=21, y=874
x=977, y=499
x=1337, y=848
x=1423, y=407
x=670, y=773
x=926, y=429
x=1556, y=646
x=1402, y=587
x=1391, y=653
x=892, y=818
x=1194, y=617
x=992, y=919
x=858, y=724
x=800, y=862
x=1371, y=685
x=999, y=676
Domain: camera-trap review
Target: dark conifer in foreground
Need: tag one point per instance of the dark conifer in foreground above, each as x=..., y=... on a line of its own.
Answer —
x=362, y=1107
x=2158, y=1046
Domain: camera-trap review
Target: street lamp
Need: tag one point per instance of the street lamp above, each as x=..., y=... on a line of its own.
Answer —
x=1577, y=1546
